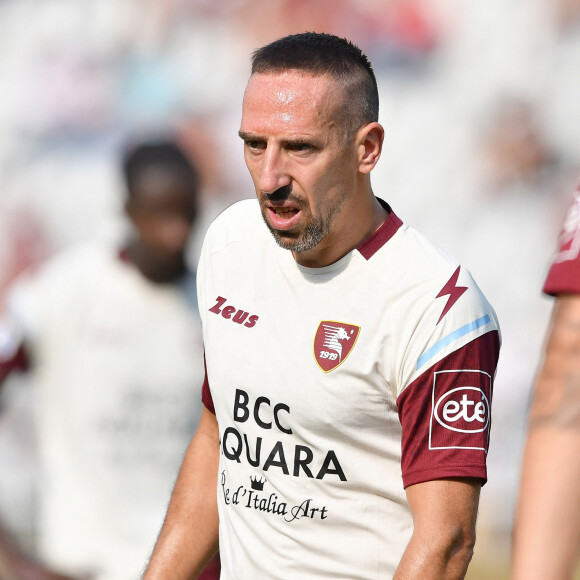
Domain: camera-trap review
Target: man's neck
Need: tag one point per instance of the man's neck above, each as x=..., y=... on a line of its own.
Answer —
x=352, y=228
x=158, y=269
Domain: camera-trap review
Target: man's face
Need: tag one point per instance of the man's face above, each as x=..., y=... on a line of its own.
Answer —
x=296, y=150
x=163, y=211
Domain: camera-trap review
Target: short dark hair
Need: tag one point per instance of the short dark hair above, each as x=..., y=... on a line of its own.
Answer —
x=325, y=54
x=165, y=154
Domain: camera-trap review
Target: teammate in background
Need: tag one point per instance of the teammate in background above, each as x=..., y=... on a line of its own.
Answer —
x=113, y=336
x=547, y=528
x=305, y=446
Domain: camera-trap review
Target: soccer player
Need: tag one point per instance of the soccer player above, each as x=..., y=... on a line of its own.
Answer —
x=349, y=363
x=113, y=337
x=547, y=528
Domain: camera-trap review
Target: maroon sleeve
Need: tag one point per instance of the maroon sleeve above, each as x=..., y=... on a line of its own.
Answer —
x=445, y=415
x=564, y=273
x=206, y=397
x=212, y=570
x=16, y=361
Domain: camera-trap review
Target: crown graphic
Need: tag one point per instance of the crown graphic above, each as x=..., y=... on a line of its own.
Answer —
x=257, y=483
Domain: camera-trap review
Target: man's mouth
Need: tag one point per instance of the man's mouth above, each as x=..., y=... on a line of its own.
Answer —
x=283, y=218
x=285, y=212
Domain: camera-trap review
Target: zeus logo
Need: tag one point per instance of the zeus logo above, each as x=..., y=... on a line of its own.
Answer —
x=464, y=409
x=232, y=313
x=453, y=291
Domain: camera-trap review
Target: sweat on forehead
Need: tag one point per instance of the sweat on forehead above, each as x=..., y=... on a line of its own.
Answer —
x=291, y=87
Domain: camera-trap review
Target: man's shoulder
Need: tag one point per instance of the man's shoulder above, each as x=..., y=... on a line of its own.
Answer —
x=415, y=258
x=57, y=284
x=246, y=209
x=427, y=278
x=67, y=265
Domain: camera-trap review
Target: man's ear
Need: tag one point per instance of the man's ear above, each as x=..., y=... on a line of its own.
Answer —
x=370, y=139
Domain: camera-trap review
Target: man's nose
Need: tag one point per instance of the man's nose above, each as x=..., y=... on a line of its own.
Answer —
x=174, y=233
x=273, y=174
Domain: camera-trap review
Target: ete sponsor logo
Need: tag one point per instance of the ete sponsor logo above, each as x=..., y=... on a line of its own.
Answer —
x=460, y=415
x=333, y=342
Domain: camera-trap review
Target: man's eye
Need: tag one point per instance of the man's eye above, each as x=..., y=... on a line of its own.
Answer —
x=300, y=147
x=254, y=144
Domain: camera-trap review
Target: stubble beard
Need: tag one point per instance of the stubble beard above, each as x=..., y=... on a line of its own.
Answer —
x=314, y=232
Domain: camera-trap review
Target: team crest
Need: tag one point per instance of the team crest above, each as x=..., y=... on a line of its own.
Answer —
x=333, y=342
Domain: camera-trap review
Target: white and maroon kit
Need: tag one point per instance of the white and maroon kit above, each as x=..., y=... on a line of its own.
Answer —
x=334, y=389
x=119, y=366
x=564, y=273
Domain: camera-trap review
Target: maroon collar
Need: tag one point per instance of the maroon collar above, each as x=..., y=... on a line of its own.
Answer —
x=390, y=226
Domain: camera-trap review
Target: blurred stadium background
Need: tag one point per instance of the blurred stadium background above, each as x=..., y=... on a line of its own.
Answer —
x=480, y=104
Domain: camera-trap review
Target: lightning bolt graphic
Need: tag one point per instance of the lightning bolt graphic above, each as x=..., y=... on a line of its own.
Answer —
x=453, y=291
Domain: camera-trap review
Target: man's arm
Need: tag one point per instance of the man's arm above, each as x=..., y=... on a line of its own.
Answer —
x=444, y=515
x=547, y=529
x=189, y=537
x=14, y=562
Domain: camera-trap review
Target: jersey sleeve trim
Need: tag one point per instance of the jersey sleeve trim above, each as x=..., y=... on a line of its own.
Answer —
x=559, y=282
x=563, y=278
x=564, y=273
x=13, y=353
x=450, y=338
x=18, y=361
x=444, y=472
x=206, y=397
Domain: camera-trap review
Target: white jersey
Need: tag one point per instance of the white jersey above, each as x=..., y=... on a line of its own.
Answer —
x=119, y=362
x=334, y=388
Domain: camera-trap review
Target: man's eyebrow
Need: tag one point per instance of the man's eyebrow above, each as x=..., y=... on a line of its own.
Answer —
x=247, y=136
x=290, y=140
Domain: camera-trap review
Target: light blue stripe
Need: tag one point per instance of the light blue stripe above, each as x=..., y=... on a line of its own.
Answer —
x=439, y=346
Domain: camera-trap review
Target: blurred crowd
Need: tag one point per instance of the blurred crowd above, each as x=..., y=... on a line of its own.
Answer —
x=480, y=105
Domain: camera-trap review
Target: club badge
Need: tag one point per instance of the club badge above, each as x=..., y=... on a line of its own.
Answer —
x=333, y=343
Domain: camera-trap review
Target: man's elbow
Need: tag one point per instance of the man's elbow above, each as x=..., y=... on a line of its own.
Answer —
x=460, y=546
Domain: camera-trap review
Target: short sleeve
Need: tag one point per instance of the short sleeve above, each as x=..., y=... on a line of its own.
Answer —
x=444, y=402
x=446, y=414
x=13, y=354
x=564, y=272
